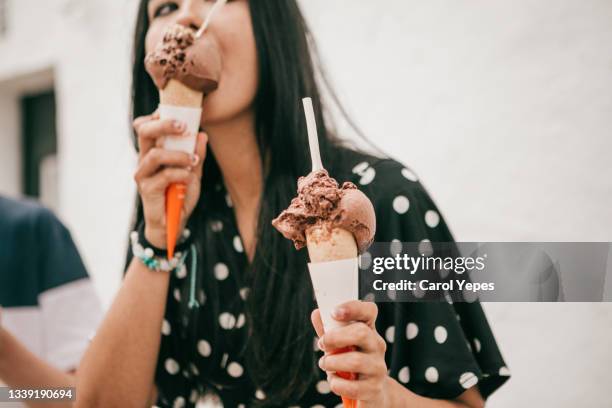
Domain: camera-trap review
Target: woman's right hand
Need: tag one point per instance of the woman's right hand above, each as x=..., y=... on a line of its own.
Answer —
x=158, y=168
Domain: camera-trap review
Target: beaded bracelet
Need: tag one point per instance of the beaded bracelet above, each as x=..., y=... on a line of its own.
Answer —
x=155, y=258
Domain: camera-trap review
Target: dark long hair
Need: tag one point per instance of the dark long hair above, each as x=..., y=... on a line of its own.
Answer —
x=279, y=351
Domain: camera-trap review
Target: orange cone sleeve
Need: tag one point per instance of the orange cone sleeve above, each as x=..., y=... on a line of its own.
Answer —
x=175, y=197
x=346, y=402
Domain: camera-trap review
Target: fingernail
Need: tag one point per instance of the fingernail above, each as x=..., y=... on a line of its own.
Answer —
x=322, y=363
x=195, y=159
x=179, y=125
x=338, y=313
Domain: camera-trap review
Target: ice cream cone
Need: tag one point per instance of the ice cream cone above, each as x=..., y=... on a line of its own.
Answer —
x=335, y=223
x=334, y=275
x=177, y=94
x=330, y=245
x=178, y=101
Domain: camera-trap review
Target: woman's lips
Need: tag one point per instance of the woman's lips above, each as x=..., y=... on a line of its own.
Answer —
x=194, y=62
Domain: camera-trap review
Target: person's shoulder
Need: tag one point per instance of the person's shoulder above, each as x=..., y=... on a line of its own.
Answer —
x=380, y=178
x=404, y=208
x=26, y=214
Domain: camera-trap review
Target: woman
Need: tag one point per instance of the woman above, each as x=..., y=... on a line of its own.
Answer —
x=235, y=320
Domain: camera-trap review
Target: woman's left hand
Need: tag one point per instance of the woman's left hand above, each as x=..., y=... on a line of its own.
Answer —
x=368, y=359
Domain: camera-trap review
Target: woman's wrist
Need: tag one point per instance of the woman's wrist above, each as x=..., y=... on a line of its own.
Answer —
x=156, y=236
x=156, y=257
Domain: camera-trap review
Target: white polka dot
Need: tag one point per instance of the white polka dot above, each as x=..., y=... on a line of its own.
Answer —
x=193, y=397
x=469, y=296
x=260, y=395
x=409, y=174
x=396, y=247
x=238, y=244
x=404, y=375
x=221, y=271
x=227, y=320
x=401, y=204
x=369, y=297
x=431, y=375
x=323, y=387
x=181, y=271
x=194, y=369
x=432, y=218
x=318, y=406
x=172, y=367
x=392, y=294
x=201, y=297
x=241, y=320
x=166, y=329
x=315, y=344
x=367, y=176
x=411, y=331
x=477, y=345
x=204, y=348
x=361, y=167
x=418, y=292
x=468, y=380
x=244, y=293
x=444, y=272
x=216, y=226
x=234, y=369
x=390, y=334
x=224, y=359
x=365, y=260
x=425, y=247
x=177, y=294
x=440, y=334
x=504, y=372
x=179, y=402
x=228, y=200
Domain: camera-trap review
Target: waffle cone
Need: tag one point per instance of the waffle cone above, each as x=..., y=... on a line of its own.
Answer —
x=326, y=245
x=177, y=94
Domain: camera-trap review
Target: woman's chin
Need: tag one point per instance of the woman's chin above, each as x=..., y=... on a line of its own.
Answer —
x=215, y=112
x=210, y=109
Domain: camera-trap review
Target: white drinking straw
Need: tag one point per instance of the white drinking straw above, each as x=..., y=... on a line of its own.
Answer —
x=216, y=7
x=313, y=138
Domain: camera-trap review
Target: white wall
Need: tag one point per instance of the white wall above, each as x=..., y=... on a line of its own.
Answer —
x=503, y=109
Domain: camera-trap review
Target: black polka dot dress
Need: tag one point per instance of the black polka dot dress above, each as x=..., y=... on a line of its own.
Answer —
x=437, y=350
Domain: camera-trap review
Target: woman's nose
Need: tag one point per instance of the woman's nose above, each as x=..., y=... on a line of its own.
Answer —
x=192, y=15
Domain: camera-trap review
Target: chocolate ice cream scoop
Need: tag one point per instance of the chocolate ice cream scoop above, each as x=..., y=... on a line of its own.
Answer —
x=322, y=202
x=193, y=62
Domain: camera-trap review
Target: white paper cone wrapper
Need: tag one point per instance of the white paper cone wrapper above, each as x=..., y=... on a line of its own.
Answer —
x=334, y=283
x=191, y=117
